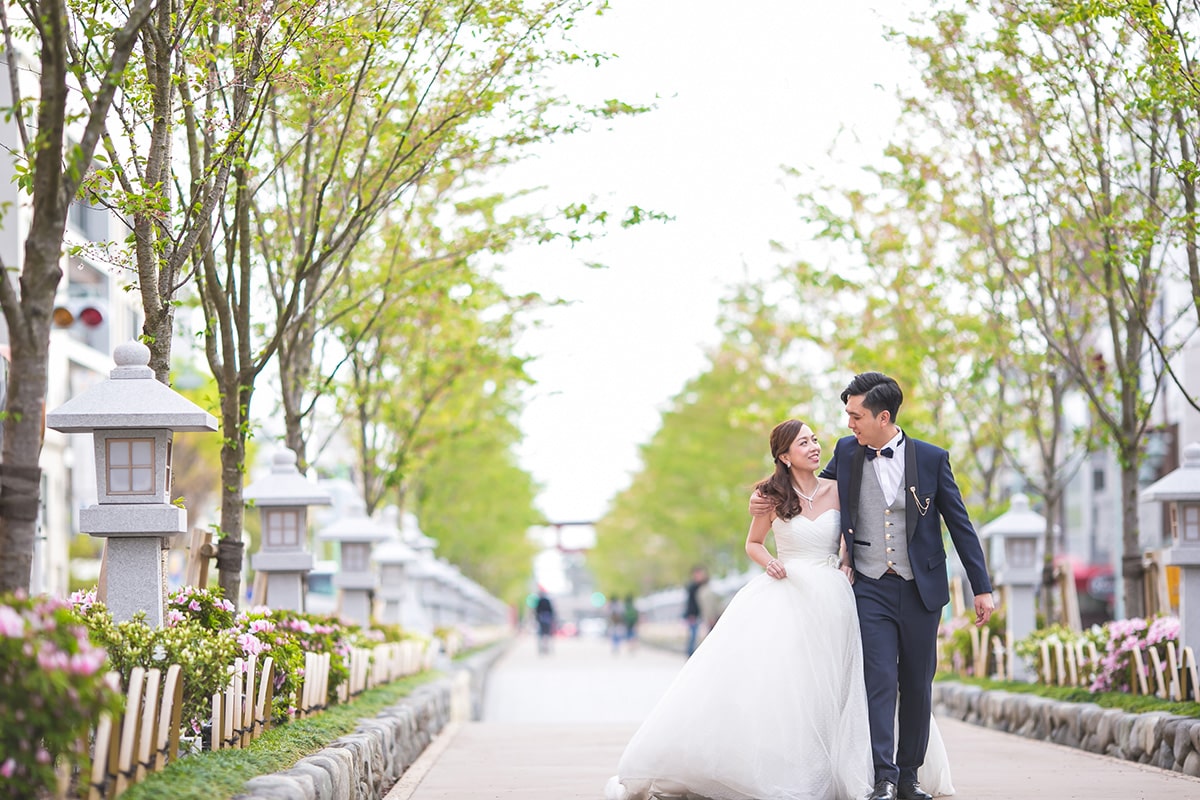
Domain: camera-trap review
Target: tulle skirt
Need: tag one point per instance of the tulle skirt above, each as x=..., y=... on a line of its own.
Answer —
x=771, y=706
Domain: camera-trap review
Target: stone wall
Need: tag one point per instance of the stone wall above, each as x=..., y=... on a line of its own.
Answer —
x=1162, y=740
x=365, y=764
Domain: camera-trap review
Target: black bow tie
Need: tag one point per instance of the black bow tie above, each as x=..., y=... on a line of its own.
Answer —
x=886, y=452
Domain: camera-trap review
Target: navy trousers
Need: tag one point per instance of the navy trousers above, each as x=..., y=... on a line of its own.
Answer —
x=899, y=638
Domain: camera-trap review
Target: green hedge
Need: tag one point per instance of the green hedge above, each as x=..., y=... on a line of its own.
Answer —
x=1135, y=704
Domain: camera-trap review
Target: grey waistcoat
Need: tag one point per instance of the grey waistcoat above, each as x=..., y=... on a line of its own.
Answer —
x=876, y=522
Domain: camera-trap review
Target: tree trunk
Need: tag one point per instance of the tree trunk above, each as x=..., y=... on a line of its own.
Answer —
x=1132, y=570
x=20, y=475
x=230, y=548
x=1048, y=599
x=295, y=370
x=159, y=327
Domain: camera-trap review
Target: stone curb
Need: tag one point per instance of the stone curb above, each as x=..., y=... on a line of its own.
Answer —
x=365, y=764
x=1156, y=738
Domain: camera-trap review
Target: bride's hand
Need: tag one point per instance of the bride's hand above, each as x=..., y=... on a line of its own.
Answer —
x=775, y=569
x=848, y=571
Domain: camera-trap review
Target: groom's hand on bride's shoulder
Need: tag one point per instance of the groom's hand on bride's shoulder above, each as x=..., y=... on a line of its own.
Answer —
x=759, y=505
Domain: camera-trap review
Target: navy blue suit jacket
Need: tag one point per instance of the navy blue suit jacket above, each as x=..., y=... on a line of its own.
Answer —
x=931, y=497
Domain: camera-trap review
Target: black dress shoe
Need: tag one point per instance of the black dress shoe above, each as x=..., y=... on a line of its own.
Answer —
x=884, y=790
x=911, y=790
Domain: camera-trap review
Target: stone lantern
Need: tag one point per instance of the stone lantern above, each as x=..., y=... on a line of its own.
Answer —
x=396, y=588
x=282, y=498
x=356, y=534
x=1179, y=491
x=132, y=418
x=421, y=574
x=1015, y=539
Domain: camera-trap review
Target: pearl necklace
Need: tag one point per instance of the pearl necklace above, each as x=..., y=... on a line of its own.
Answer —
x=809, y=498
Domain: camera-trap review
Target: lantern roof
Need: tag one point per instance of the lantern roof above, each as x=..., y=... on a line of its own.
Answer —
x=355, y=526
x=411, y=532
x=393, y=550
x=1019, y=519
x=1182, y=483
x=130, y=398
x=285, y=486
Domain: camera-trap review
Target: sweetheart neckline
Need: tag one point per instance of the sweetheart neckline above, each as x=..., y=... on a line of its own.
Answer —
x=817, y=517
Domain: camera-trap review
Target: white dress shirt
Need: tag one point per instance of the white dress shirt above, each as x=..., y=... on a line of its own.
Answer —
x=890, y=471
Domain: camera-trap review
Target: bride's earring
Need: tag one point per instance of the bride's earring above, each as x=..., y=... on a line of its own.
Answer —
x=788, y=465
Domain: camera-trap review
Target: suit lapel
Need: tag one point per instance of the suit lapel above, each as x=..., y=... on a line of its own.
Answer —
x=912, y=486
x=856, y=470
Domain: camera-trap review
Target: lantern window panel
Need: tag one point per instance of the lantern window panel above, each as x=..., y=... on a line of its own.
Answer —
x=283, y=528
x=355, y=556
x=1190, y=530
x=130, y=466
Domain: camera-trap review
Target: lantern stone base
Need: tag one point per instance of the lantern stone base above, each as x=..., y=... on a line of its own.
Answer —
x=282, y=562
x=361, y=581
x=134, y=577
x=133, y=519
x=356, y=606
x=1189, y=607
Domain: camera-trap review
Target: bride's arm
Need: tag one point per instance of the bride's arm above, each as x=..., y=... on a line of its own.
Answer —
x=757, y=550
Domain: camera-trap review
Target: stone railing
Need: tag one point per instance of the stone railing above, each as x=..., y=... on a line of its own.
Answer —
x=1159, y=739
x=365, y=764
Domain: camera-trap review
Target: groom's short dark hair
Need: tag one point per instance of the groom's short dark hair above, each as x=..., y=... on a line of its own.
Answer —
x=879, y=393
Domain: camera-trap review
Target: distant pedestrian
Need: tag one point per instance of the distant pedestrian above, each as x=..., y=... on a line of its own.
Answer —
x=697, y=607
x=616, y=624
x=631, y=622
x=544, y=613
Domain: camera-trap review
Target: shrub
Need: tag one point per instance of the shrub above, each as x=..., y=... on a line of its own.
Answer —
x=957, y=640
x=319, y=634
x=1123, y=636
x=258, y=632
x=1030, y=648
x=52, y=692
x=203, y=655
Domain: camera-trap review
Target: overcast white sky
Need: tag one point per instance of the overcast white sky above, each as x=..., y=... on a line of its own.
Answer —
x=743, y=89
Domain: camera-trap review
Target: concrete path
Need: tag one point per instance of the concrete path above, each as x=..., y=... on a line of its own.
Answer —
x=554, y=727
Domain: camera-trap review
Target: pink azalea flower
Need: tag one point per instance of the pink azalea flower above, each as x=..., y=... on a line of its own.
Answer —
x=12, y=624
x=251, y=645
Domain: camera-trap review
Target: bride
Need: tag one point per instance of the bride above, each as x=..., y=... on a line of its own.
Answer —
x=771, y=706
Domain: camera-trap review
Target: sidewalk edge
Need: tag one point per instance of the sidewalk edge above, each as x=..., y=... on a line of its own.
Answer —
x=412, y=777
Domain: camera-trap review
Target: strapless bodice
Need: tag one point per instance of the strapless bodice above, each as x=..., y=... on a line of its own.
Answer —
x=813, y=540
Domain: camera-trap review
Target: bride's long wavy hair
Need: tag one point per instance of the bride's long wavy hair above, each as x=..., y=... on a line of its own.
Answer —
x=778, y=487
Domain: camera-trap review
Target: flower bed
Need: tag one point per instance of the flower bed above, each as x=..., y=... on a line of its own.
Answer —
x=54, y=656
x=52, y=691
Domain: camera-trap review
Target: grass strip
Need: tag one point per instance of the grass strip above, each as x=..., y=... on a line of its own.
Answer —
x=1134, y=704
x=221, y=775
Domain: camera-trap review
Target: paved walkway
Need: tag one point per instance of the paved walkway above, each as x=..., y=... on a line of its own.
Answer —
x=554, y=727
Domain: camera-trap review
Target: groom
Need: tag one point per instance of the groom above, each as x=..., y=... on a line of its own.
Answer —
x=895, y=493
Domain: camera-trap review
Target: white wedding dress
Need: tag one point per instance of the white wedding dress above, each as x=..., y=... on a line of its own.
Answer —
x=771, y=706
